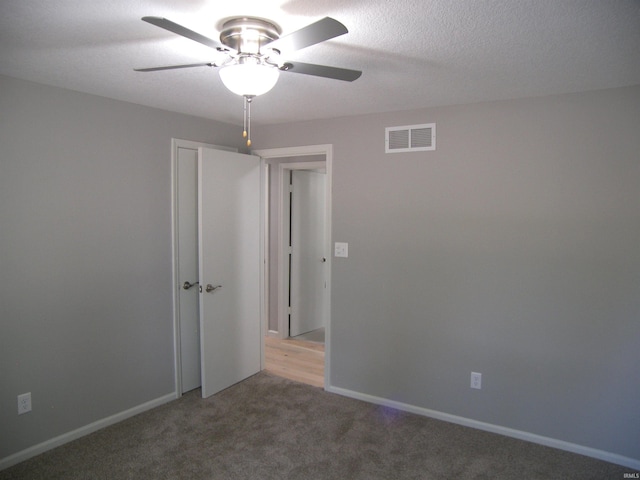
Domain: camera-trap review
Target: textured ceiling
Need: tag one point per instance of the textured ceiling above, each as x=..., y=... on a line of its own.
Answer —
x=413, y=53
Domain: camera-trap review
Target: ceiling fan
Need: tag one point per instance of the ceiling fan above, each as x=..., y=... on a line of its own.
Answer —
x=251, y=49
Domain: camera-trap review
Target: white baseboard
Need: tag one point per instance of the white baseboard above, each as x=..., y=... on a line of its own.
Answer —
x=82, y=431
x=631, y=463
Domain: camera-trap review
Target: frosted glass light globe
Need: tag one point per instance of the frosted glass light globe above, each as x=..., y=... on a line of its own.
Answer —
x=249, y=79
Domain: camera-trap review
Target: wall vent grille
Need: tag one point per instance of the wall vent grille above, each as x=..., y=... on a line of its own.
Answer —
x=410, y=138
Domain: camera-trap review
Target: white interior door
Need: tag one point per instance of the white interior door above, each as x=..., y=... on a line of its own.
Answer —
x=307, y=271
x=229, y=255
x=188, y=301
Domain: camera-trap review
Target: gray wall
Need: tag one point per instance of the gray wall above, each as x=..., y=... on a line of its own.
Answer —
x=85, y=256
x=513, y=250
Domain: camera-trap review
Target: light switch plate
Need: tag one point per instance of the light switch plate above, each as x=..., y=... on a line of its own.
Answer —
x=341, y=249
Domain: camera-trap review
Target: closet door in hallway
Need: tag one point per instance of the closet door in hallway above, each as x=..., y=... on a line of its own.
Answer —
x=308, y=258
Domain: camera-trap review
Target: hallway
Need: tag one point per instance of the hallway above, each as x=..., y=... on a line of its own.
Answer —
x=294, y=359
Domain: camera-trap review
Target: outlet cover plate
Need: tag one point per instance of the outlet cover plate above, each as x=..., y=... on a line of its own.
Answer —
x=476, y=380
x=24, y=403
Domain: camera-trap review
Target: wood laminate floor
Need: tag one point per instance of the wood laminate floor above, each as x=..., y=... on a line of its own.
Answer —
x=295, y=359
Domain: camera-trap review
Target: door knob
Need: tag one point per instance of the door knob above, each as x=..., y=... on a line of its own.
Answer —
x=210, y=288
x=187, y=285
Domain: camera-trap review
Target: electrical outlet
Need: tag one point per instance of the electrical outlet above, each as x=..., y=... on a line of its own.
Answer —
x=476, y=380
x=24, y=403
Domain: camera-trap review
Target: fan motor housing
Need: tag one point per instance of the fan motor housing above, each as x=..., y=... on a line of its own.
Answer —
x=248, y=34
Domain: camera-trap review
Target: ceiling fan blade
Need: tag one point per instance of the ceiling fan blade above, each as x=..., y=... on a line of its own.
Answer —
x=317, y=32
x=322, y=71
x=183, y=31
x=173, y=67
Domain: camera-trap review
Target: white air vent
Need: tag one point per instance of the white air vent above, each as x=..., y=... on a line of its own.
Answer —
x=410, y=138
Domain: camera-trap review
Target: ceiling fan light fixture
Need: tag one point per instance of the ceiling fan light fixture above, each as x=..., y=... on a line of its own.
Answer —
x=249, y=79
x=252, y=47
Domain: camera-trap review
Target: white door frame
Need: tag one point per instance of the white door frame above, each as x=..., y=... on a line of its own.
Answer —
x=176, y=144
x=327, y=151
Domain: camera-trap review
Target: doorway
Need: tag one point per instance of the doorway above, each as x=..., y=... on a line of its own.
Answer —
x=303, y=228
x=186, y=313
x=282, y=163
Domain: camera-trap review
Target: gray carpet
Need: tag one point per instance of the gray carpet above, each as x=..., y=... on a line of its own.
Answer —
x=268, y=427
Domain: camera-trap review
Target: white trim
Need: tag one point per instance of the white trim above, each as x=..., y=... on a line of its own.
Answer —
x=327, y=151
x=83, y=431
x=301, y=151
x=177, y=143
x=264, y=258
x=284, y=206
x=488, y=427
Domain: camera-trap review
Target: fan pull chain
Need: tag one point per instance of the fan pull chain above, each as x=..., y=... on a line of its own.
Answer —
x=244, y=118
x=249, y=121
x=246, y=133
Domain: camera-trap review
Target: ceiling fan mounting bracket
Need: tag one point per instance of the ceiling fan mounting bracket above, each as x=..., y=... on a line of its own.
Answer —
x=248, y=34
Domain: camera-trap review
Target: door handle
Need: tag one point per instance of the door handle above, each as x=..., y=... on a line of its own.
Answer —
x=187, y=285
x=210, y=288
